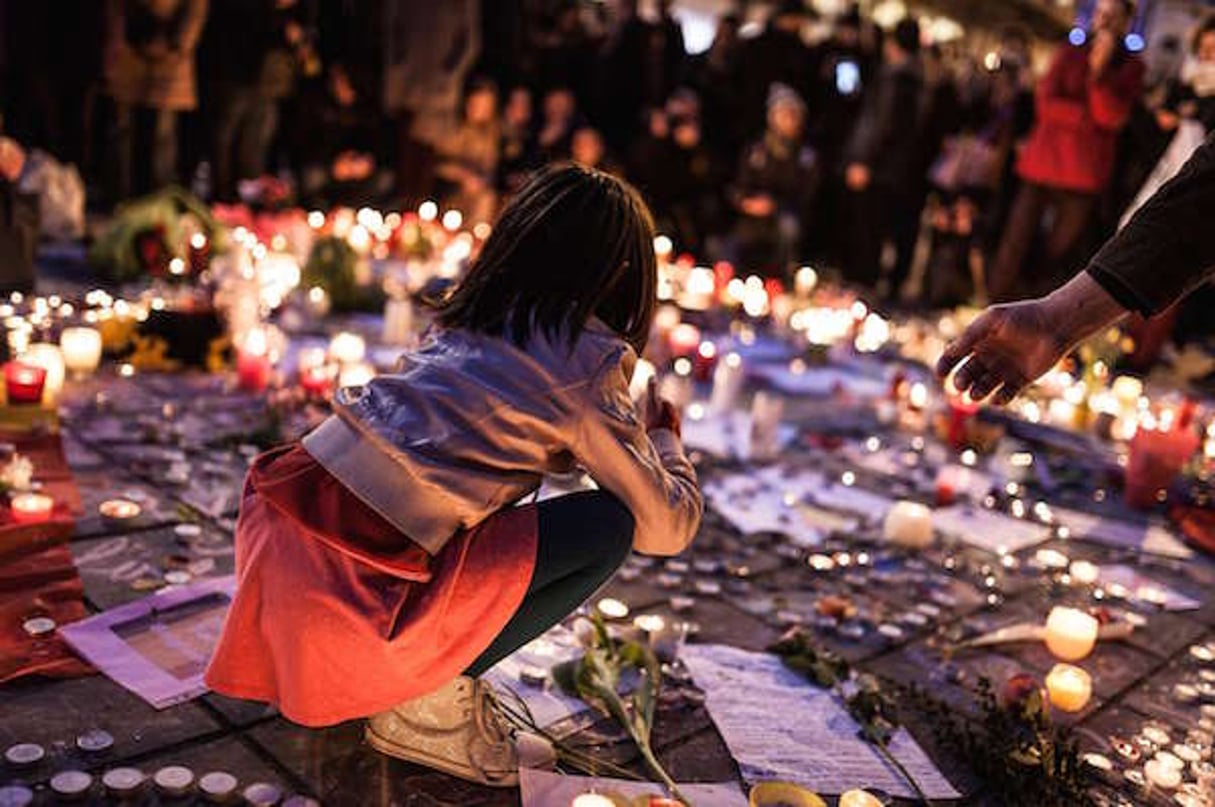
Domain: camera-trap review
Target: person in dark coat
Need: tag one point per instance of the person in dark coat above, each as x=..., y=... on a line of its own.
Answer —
x=883, y=165
x=775, y=188
x=777, y=55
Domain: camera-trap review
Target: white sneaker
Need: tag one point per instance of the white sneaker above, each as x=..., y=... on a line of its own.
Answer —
x=454, y=730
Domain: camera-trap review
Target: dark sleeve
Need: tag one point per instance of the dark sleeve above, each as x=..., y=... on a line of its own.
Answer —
x=1168, y=247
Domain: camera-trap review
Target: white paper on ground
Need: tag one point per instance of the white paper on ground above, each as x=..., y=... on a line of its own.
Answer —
x=727, y=435
x=989, y=530
x=1144, y=588
x=1151, y=538
x=770, y=500
x=819, y=382
x=548, y=705
x=157, y=647
x=780, y=727
x=546, y=789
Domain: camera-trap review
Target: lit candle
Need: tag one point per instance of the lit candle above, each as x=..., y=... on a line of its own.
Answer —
x=1070, y=688
x=81, y=350
x=859, y=798
x=31, y=508
x=347, y=348
x=119, y=510
x=728, y=381
x=253, y=366
x=23, y=382
x=685, y=339
x=1084, y=573
x=909, y=525
x=356, y=375
x=1070, y=633
x=398, y=322
x=50, y=358
x=612, y=608
x=1162, y=775
x=804, y=281
x=699, y=289
x=591, y=800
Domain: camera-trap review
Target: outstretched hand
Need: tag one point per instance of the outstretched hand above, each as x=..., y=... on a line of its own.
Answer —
x=1005, y=349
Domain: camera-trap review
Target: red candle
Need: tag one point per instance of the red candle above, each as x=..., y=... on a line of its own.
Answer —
x=252, y=370
x=24, y=382
x=704, y=361
x=684, y=340
x=31, y=508
x=316, y=380
x=961, y=411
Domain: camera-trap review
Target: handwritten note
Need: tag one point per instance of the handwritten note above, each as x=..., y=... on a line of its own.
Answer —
x=779, y=727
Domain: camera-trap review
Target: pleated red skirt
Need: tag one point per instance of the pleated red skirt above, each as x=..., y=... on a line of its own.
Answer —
x=337, y=615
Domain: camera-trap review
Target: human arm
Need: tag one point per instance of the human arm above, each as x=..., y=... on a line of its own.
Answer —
x=191, y=27
x=1113, y=91
x=646, y=468
x=1166, y=250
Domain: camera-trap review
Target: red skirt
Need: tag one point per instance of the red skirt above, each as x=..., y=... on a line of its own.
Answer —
x=339, y=616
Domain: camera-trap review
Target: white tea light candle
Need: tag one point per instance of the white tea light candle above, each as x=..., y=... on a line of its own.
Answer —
x=1070, y=688
x=909, y=525
x=347, y=348
x=859, y=798
x=81, y=350
x=1070, y=633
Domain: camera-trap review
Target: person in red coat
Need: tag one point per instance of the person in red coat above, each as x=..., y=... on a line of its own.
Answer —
x=1083, y=102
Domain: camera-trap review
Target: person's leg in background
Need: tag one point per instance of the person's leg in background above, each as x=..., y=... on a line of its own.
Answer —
x=261, y=122
x=584, y=537
x=164, y=148
x=121, y=146
x=1007, y=280
x=1061, y=259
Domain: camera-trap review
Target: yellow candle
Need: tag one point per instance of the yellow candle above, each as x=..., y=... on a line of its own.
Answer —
x=1070, y=633
x=591, y=800
x=347, y=348
x=1070, y=688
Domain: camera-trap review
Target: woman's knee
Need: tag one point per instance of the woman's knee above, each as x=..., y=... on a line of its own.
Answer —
x=615, y=525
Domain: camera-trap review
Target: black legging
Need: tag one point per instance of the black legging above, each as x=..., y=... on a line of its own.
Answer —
x=584, y=537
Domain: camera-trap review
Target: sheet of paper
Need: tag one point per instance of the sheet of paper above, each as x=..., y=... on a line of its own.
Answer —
x=157, y=647
x=1152, y=538
x=780, y=727
x=727, y=435
x=989, y=530
x=1146, y=589
x=546, y=789
x=819, y=382
x=771, y=500
x=548, y=705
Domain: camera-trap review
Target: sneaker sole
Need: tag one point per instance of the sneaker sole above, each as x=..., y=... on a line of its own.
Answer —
x=468, y=774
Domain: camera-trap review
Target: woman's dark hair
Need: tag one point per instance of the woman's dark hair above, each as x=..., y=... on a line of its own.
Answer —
x=575, y=243
x=1205, y=26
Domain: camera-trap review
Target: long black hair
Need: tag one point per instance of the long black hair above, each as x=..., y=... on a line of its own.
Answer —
x=575, y=243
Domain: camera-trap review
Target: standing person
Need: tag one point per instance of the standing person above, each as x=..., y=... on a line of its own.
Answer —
x=1083, y=102
x=775, y=187
x=425, y=67
x=621, y=80
x=150, y=76
x=518, y=154
x=1164, y=252
x=469, y=154
x=255, y=69
x=716, y=76
x=777, y=55
x=883, y=159
x=390, y=536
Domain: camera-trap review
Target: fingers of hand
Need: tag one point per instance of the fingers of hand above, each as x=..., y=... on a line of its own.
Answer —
x=962, y=347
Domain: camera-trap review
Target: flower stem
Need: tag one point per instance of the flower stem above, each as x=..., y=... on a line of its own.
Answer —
x=889, y=756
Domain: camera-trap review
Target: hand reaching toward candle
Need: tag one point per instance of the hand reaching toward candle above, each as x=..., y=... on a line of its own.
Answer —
x=1010, y=346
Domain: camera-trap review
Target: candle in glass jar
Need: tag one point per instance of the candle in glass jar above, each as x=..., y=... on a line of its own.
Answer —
x=684, y=340
x=1070, y=688
x=1070, y=633
x=50, y=358
x=81, y=348
x=253, y=366
x=31, y=508
x=356, y=375
x=23, y=382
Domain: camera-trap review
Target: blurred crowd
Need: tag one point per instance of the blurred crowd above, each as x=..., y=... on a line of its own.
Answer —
x=922, y=170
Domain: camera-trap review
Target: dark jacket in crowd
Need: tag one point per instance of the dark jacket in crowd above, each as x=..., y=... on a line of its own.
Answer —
x=788, y=172
x=1168, y=247
x=887, y=135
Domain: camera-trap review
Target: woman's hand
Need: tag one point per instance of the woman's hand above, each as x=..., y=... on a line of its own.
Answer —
x=659, y=412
